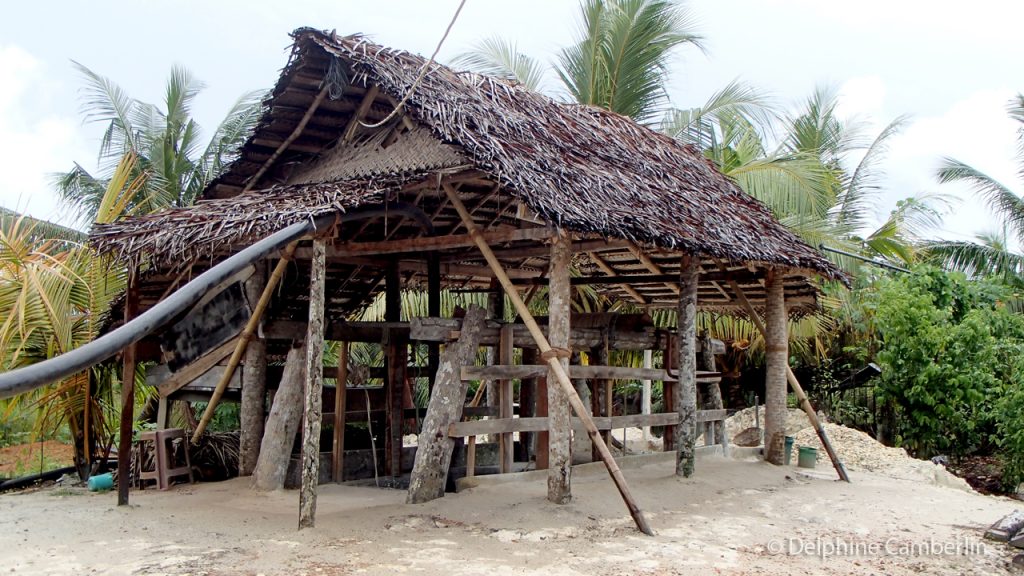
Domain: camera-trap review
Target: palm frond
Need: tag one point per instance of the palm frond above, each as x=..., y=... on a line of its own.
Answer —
x=502, y=58
x=1007, y=206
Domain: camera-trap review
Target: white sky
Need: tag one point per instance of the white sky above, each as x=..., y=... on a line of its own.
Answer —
x=951, y=66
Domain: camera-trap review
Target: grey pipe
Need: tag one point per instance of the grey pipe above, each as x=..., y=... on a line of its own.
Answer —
x=33, y=376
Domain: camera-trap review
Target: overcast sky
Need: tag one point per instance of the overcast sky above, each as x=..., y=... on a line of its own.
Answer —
x=952, y=66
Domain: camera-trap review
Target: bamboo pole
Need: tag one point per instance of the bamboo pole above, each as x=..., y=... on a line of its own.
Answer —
x=243, y=339
x=552, y=360
x=797, y=388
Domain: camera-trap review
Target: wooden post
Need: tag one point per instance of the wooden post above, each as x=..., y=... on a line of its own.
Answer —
x=559, y=425
x=551, y=357
x=434, y=309
x=124, y=445
x=434, y=453
x=395, y=351
x=686, y=385
x=505, y=401
x=492, y=386
x=805, y=403
x=603, y=399
x=540, y=409
x=340, y=397
x=712, y=392
x=313, y=412
x=645, y=399
x=243, y=339
x=254, y=385
x=282, y=424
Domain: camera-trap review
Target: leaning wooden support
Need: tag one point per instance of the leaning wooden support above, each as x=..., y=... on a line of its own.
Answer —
x=434, y=453
x=552, y=359
x=243, y=339
x=797, y=388
x=313, y=408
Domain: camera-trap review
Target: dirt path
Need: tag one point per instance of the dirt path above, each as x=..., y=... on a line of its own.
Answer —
x=735, y=517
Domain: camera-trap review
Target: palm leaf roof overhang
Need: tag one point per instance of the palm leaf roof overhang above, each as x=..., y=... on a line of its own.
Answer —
x=579, y=168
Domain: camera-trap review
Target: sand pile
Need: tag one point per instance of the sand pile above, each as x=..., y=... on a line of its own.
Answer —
x=859, y=451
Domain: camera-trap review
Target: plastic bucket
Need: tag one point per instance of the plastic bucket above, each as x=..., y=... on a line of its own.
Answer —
x=101, y=482
x=808, y=457
x=788, y=452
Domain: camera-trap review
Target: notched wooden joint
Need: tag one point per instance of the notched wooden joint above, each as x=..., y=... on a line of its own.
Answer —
x=556, y=353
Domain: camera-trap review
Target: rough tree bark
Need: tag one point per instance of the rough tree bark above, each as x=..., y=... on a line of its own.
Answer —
x=282, y=424
x=776, y=361
x=686, y=388
x=559, y=410
x=254, y=385
x=313, y=408
x=434, y=453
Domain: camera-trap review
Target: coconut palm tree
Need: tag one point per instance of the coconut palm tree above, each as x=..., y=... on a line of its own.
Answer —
x=619, y=60
x=991, y=255
x=167, y=143
x=54, y=297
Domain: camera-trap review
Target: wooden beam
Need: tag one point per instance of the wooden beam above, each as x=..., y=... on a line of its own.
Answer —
x=364, y=107
x=178, y=380
x=505, y=400
x=255, y=179
x=313, y=406
x=252, y=412
x=650, y=265
x=522, y=371
x=541, y=423
x=611, y=272
x=427, y=243
x=553, y=361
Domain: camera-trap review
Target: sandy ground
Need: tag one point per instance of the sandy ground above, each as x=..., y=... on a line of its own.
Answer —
x=733, y=517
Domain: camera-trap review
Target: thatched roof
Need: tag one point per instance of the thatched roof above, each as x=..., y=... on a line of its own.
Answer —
x=578, y=167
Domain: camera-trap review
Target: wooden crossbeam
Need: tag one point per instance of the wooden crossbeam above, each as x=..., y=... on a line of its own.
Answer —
x=521, y=371
x=540, y=423
x=426, y=243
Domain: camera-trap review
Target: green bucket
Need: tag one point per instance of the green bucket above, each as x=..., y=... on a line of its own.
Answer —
x=808, y=457
x=787, y=454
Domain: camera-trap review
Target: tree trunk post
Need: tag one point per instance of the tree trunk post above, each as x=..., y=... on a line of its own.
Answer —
x=124, y=445
x=396, y=356
x=282, y=424
x=492, y=386
x=313, y=411
x=254, y=385
x=506, y=459
x=776, y=361
x=559, y=411
x=645, y=399
x=685, y=391
x=434, y=453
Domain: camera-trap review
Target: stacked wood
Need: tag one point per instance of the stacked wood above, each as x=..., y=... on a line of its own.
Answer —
x=434, y=453
x=282, y=424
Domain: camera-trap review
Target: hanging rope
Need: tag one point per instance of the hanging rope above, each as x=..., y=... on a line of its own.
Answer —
x=423, y=72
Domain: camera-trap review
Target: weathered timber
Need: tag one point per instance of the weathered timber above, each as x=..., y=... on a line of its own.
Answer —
x=712, y=393
x=686, y=388
x=430, y=329
x=340, y=397
x=559, y=411
x=174, y=381
x=552, y=359
x=520, y=371
x=124, y=445
x=313, y=399
x=426, y=243
x=243, y=339
x=254, y=385
x=396, y=352
x=505, y=400
x=434, y=453
x=540, y=423
x=282, y=424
